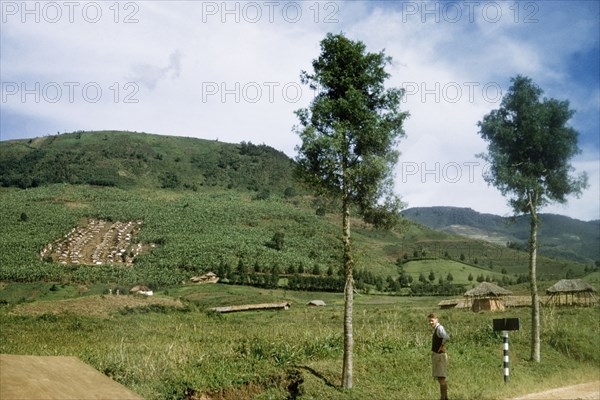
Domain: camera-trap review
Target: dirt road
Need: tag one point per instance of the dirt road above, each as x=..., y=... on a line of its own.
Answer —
x=583, y=391
x=56, y=377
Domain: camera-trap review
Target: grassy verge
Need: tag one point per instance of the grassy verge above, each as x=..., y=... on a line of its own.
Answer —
x=171, y=353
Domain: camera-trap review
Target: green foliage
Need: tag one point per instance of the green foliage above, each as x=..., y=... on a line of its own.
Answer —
x=170, y=180
x=263, y=194
x=278, y=241
x=212, y=229
x=386, y=215
x=193, y=233
x=127, y=159
x=352, y=126
x=290, y=192
x=431, y=276
x=568, y=333
x=530, y=147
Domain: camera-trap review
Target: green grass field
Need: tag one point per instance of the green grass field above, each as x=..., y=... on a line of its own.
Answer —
x=441, y=268
x=169, y=353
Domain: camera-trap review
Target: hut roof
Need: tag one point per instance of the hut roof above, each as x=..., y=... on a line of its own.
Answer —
x=251, y=307
x=139, y=288
x=449, y=302
x=570, y=286
x=487, y=289
x=453, y=303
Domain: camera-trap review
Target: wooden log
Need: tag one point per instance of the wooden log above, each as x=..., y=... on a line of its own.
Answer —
x=252, y=307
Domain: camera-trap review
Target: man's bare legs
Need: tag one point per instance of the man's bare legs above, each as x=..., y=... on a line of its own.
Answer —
x=443, y=388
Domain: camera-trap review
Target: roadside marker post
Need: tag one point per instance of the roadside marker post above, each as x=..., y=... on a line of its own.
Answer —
x=505, y=325
x=506, y=369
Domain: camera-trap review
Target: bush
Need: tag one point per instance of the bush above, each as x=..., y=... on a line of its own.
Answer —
x=277, y=241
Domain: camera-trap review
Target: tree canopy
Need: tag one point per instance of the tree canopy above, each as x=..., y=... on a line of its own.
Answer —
x=530, y=146
x=350, y=131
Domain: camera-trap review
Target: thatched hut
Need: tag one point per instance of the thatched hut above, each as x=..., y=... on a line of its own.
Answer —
x=452, y=303
x=209, y=277
x=571, y=292
x=487, y=297
x=140, y=289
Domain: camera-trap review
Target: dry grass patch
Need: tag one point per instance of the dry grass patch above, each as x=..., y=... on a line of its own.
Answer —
x=96, y=306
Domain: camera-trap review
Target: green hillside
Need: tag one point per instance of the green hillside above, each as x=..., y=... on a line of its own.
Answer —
x=559, y=236
x=207, y=206
x=126, y=159
x=460, y=273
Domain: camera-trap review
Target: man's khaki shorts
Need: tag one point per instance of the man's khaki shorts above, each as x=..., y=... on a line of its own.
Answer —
x=439, y=365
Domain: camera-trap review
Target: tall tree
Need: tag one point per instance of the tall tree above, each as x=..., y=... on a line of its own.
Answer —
x=529, y=151
x=349, y=134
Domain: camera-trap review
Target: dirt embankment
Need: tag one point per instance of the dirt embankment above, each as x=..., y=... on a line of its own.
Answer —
x=97, y=306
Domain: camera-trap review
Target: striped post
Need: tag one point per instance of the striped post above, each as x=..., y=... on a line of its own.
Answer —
x=505, y=325
x=506, y=369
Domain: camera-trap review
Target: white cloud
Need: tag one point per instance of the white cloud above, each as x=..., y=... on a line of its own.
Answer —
x=149, y=75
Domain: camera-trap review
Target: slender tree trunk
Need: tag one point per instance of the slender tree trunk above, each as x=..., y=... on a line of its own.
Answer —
x=348, y=298
x=535, y=303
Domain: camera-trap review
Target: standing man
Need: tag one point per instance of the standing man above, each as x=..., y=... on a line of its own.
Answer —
x=439, y=357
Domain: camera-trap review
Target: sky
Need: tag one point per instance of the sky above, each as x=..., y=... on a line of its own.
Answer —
x=230, y=71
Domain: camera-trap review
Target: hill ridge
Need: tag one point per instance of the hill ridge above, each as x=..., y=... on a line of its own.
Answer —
x=128, y=159
x=560, y=236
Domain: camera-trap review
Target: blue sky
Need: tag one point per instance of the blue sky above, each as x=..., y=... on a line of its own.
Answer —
x=230, y=71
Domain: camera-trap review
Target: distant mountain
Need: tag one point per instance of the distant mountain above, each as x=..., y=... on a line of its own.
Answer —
x=559, y=236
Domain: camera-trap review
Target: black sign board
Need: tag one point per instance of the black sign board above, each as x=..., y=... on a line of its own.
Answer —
x=506, y=324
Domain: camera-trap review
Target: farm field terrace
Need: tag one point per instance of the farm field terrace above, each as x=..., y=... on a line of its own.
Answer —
x=194, y=232
x=441, y=268
x=171, y=347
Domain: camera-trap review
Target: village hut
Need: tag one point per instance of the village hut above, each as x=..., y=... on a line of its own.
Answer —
x=571, y=292
x=142, y=290
x=487, y=297
x=209, y=277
